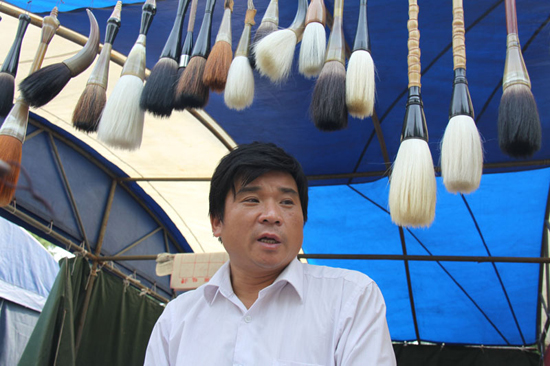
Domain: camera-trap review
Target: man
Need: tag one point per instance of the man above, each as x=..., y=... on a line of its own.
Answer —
x=264, y=307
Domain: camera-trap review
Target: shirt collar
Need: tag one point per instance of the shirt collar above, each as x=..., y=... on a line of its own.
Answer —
x=293, y=274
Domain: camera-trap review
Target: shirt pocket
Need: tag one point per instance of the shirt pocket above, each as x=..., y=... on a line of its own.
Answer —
x=293, y=363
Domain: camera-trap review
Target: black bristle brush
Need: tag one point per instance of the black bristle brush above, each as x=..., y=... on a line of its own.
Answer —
x=9, y=67
x=158, y=94
x=121, y=124
x=90, y=105
x=191, y=91
x=519, y=130
x=412, y=182
x=328, y=104
x=268, y=25
x=461, y=147
x=219, y=60
x=14, y=127
x=43, y=85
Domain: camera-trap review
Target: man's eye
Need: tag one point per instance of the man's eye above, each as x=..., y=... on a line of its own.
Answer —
x=288, y=202
x=251, y=199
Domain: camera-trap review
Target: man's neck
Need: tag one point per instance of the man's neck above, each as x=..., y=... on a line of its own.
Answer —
x=247, y=286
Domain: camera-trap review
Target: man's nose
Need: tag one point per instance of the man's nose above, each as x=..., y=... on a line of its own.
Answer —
x=271, y=213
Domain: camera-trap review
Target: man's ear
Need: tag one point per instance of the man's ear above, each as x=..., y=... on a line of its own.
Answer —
x=217, y=225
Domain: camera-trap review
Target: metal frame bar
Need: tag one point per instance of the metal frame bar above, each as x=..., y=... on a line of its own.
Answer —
x=145, y=237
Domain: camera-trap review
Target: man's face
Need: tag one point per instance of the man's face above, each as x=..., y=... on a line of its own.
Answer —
x=263, y=224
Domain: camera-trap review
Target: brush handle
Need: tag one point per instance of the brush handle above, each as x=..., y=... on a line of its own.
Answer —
x=461, y=102
x=336, y=50
x=172, y=47
x=192, y=16
x=100, y=73
x=12, y=59
x=299, y=23
x=202, y=46
x=272, y=13
x=459, y=46
x=244, y=42
x=413, y=59
x=362, y=40
x=49, y=27
x=15, y=123
x=135, y=63
x=511, y=16
x=147, y=14
x=113, y=24
x=84, y=58
x=316, y=12
x=414, y=125
x=188, y=42
x=224, y=32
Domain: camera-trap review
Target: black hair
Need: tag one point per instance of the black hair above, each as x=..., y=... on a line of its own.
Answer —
x=248, y=162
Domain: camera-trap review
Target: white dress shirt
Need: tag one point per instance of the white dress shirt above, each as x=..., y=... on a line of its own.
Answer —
x=311, y=315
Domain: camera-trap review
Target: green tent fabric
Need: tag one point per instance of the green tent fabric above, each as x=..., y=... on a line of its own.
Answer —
x=118, y=323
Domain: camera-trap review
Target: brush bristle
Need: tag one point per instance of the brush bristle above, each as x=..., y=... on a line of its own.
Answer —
x=7, y=85
x=412, y=185
x=360, y=84
x=121, y=125
x=158, y=94
x=11, y=150
x=88, y=110
x=519, y=130
x=239, y=90
x=265, y=28
x=191, y=91
x=217, y=66
x=461, y=155
x=274, y=55
x=312, y=50
x=43, y=85
x=328, y=104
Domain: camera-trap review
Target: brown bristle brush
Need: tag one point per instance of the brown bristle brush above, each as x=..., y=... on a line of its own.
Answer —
x=219, y=60
x=191, y=91
x=461, y=147
x=43, y=85
x=239, y=89
x=14, y=128
x=360, y=82
x=9, y=67
x=519, y=130
x=412, y=182
x=275, y=52
x=314, y=42
x=328, y=103
x=121, y=124
x=158, y=94
x=89, y=107
x=268, y=25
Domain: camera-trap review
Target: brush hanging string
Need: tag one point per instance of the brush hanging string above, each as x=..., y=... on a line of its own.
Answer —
x=14, y=128
x=328, y=104
x=412, y=193
x=519, y=130
x=239, y=89
x=9, y=67
x=219, y=60
x=90, y=105
x=360, y=76
x=461, y=147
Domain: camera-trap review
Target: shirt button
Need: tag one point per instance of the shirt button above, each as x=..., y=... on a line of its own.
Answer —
x=248, y=319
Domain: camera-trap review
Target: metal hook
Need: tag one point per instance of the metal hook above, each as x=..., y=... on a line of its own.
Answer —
x=28, y=9
x=50, y=227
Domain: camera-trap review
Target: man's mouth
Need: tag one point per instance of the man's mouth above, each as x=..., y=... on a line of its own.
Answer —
x=268, y=241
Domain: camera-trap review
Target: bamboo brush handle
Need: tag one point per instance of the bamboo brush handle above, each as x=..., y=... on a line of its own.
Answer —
x=362, y=40
x=413, y=59
x=299, y=23
x=49, y=27
x=224, y=33
x=272, y=13
x=336, y=50
x=244, y=42
x=316, y=12
x=459, y=46
x=511, y=16
x=192, y=16
x=12, y=59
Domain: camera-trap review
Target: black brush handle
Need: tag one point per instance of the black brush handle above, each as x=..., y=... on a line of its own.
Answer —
x=362, y=40
x=12, y=59
x=147, y=15
x=202, y=45
x=414, y=125
x=172, y=47
x=461, y=102
x=113, y=25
